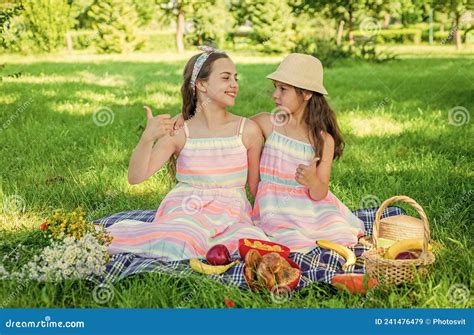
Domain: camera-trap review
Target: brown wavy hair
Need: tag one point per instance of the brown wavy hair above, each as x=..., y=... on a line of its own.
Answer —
x=189, y=97
x=320, y=116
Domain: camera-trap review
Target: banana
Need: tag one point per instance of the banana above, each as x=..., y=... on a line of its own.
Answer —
x=405, y=245
x=208, y=269
x=348, y=255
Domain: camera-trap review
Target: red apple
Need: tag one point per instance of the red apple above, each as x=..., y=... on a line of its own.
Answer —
x=218, y=255
x=406, y=255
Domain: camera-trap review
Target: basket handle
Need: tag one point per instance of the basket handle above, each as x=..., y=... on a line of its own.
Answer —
x=410, y=201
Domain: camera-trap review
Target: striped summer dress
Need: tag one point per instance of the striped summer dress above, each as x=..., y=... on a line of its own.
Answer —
x=208, y=206
x=283, y=207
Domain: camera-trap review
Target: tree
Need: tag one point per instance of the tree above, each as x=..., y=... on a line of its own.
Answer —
x=79, y=9
x=342, y=11
x=44, y=24
x=177, y=11
x=7, y=13
x=115, y=23
x=272, y=22
x=455, y=8
x=146, y=10
x=211, y=21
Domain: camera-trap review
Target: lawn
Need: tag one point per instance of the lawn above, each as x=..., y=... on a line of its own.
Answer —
x=407, y=130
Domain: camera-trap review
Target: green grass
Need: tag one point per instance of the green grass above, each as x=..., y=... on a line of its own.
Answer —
x=394, y=117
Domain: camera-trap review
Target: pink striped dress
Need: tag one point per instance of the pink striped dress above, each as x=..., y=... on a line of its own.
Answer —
x=208, y=206
x=283, y=207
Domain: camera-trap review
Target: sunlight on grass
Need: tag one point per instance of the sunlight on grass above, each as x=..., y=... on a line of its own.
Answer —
x=84, y=78
x=73, y=108
x=161, y=99
x=8, y=98
x=109, y=80
x=100, y=97
x=438, y=51
x=374, y=126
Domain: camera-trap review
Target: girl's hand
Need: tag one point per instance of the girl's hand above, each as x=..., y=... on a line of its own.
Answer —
x=156, y=126
x=178, y=123
x=305, y=174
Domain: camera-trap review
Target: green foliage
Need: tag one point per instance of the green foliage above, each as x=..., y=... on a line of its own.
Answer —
x=401, y=36
x=211, y=21
x=41, y=27
x=79, y=9
x=146, y=10
x=409, y=11
x=272, y=22
x=325, y=50
x=115, y=22
x=368, y=51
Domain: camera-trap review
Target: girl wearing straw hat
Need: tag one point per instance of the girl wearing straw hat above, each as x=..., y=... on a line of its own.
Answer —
x=293, y=204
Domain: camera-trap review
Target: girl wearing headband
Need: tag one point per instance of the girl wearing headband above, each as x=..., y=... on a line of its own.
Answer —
x=215, y=156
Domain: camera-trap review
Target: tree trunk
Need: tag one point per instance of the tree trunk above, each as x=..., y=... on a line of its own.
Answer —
x=457, y=32
x=180, y=32
x=340, y=33
x=386, y=21
x=351, y=28
x=69, y=41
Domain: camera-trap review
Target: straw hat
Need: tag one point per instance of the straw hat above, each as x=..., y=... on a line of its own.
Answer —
x=302, y=71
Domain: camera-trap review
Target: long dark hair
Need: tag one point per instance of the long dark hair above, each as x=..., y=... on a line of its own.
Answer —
x=320, y=116
x=190, y=103
x=189, y=96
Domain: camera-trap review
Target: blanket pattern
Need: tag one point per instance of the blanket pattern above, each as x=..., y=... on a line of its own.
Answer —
x=318, y=265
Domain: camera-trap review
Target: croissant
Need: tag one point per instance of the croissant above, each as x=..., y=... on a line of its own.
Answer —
x=252, y=261
x=268, y=270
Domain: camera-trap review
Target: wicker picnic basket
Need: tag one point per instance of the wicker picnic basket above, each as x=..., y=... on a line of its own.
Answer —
x=395, y=272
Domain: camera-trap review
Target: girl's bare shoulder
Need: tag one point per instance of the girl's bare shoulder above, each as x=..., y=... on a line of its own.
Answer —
x=264, y=121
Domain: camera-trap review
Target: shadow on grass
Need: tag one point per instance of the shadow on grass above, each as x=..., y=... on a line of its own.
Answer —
x=55, y=138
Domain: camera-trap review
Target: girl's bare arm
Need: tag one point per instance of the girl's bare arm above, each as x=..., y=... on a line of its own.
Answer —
x=253, y=141
x=148, y=156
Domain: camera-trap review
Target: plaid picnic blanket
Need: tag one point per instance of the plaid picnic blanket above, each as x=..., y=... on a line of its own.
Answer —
x=318, y=265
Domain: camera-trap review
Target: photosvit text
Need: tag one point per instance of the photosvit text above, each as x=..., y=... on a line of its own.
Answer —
x=419, y=322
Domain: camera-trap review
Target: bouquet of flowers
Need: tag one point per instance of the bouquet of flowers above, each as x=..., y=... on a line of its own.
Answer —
x=78, y=249
x=61, y=225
